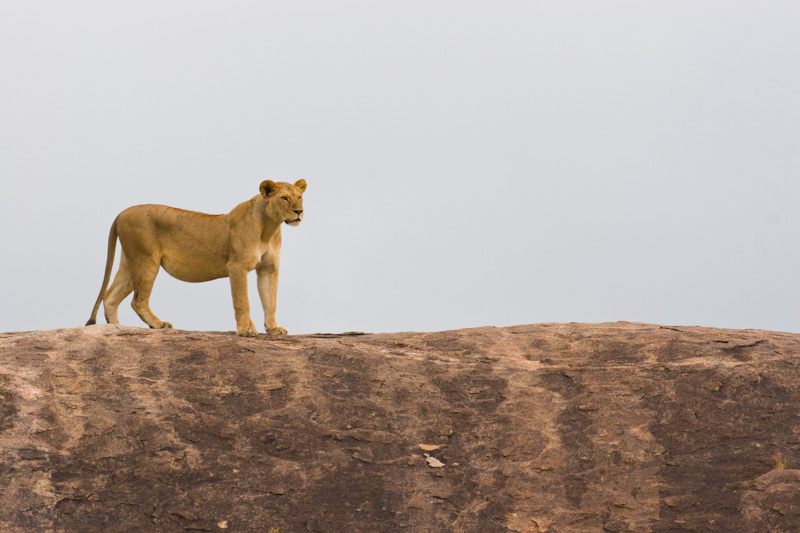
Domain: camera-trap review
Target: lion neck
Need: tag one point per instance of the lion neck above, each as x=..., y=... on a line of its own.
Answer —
x=269, y=226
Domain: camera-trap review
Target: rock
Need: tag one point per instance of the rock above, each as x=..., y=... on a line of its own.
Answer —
x=550, y=427
x=433, y=462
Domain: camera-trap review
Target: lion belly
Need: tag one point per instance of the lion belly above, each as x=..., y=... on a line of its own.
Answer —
x=190, y=255
x=185, y=269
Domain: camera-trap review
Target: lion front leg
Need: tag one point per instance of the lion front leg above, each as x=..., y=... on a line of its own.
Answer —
x=268, y=291
x=241, y=303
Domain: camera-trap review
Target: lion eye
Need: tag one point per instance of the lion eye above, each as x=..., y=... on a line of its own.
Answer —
x=285, y=198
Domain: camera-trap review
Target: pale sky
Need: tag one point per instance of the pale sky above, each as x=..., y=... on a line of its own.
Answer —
x=468, y=163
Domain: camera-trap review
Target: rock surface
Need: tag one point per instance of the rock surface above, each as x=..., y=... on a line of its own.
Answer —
x=551, y=427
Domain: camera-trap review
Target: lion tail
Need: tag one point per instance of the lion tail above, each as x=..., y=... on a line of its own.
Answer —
x=112, y=245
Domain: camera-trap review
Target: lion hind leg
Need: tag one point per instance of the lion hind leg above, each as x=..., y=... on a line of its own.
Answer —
x=143, y=279
x=119, y=290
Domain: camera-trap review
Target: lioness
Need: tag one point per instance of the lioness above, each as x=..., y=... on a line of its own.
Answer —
x=196, y=247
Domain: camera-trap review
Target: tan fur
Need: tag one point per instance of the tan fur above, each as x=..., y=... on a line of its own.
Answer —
x=198, y=247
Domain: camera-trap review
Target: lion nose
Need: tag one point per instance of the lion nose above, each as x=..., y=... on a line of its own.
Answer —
x=298, y=211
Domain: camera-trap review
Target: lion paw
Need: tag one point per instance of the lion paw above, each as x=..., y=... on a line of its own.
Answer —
x=277, y=331
x=247, y=331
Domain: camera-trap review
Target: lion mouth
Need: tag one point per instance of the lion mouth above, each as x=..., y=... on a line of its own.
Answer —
x=295, y=222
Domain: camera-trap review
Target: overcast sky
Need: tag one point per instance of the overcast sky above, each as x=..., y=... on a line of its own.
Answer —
x=468, y=163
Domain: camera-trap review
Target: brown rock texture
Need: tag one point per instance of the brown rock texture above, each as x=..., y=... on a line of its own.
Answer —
x=551, y=427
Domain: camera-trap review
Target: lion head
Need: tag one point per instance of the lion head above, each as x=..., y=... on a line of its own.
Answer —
x=284, y=200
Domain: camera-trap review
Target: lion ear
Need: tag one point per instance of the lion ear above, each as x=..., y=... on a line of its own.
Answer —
x=301, y=184
x=267, y=187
